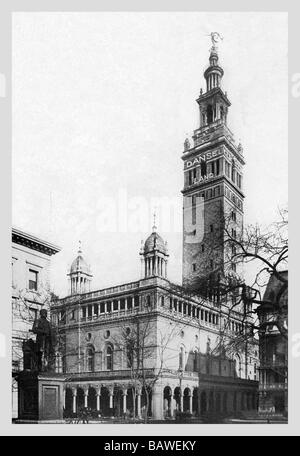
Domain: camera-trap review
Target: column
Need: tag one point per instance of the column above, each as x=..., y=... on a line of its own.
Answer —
x=125, y=303
x=119, y=304
x=171, y=405
x=138, y=412
x=111, y=398
x=147, y=267
x=98, y=394
x=124, y=400
x=64, y=397
x=105, y=307
x=142, y=268
x=181, y=400
x=191, y=401
x=86, y=394
x=74, y=393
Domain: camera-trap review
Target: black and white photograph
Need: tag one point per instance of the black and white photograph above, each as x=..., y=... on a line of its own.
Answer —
x=149, y=242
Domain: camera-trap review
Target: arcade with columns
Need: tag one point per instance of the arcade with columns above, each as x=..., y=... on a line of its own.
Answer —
x=117, y=399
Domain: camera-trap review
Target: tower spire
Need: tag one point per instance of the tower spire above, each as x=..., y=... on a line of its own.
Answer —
x=213, y=171
x=214, y=73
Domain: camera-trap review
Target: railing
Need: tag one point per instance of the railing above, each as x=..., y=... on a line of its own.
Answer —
x=99, y=293
x=111, y=290
x=106, y=292
x=273, y=387
x=187, y=318
x=124, y=373
x=207, y=129
x=112, y=314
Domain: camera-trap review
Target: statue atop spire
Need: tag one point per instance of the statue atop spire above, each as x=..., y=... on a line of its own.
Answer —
x=215, y=39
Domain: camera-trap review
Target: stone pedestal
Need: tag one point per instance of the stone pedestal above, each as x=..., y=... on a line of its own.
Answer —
x=40, y=396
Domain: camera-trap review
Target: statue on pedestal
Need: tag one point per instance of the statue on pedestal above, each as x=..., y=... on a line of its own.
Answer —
x=44, y=342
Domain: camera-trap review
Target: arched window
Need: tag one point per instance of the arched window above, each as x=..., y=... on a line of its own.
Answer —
x=58, y=363
x=221, y=112
x=209, y=114
x=90, y=357
x=238, y=366
x=195, y=360
x=109, y=357
x=203, y=168
x=130, y=353
x=181, y=358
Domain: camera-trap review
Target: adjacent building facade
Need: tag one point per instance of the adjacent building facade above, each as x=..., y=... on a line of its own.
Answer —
x=31, y=258
x=152, y=342
x=273, y=347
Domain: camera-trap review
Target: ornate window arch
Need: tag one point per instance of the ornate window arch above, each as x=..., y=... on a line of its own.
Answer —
x=195, y=359
x=238, y=365
x=90, y=358
x=109, y=357
x=181, y=357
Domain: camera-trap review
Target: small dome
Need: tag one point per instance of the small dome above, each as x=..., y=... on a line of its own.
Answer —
x=79, y=265
x=155, y=241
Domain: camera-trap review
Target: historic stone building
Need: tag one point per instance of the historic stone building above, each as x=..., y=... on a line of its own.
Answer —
x=30, y=292
x=151, y=341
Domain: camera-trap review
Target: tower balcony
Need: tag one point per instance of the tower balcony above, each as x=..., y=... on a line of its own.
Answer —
x=212, y=131
x=215, y=131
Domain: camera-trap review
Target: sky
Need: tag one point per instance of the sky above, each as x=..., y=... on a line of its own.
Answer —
x=102, y=103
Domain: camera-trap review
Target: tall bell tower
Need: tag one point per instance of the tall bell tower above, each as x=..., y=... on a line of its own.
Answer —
x=213, y=182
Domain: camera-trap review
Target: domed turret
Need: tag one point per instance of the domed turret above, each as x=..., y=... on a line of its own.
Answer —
x=155, y=242
x=154, y=255
x=80, y=275
x=79, y=265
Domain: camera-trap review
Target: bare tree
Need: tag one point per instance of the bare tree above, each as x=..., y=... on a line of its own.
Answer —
x=145, y=345
x=265, y=251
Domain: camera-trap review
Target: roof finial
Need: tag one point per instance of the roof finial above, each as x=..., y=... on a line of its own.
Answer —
x=154, y=227
x=79, y=247
x=187, y=143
